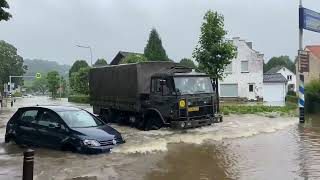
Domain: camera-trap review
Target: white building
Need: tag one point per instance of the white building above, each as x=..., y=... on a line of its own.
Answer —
x=274, y=88
x=289, y=75
x=244, y=76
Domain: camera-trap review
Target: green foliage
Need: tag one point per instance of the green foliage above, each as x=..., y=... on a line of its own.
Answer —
x=242, y=109
x=188, y=63
x=4, y=15
x=100, y=62
x=280, y=61
x=291, y=93
x=10, y=64
x=80, y=81
x=53, y=80
x=17, y=94
x=154, y=50
x=77, y=65
x=135, y=58
x=44, y=66
x=214, y=52
x=40, y=85
x=312, y=96
x=292, y=98
x=85, y=99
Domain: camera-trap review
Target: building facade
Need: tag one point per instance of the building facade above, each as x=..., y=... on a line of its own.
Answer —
x=314, y=60
x=244, y=76
x=289, y=75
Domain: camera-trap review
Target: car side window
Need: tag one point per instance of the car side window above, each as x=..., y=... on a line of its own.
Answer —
x=47, y=118
x=29, y=116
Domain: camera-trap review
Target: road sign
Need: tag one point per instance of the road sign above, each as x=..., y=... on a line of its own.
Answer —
x=309, y=20
x=304, y=65
x=38, y=75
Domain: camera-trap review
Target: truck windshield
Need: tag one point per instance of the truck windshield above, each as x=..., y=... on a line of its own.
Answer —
x=193, y=85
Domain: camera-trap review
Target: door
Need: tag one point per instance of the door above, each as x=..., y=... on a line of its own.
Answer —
x=161, y=96
x=26, y=131
x=252, y=91
x=274, y=92
x=229, y=90
x=51, y=129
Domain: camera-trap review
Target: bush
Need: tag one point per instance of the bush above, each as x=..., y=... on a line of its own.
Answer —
x=312, y=96
x=243, y=109
x=291, y=93
x=85, y=99
x=292, y=99
x=17, y=94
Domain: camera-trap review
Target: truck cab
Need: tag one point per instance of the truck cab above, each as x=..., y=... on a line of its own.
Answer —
x=182, y=100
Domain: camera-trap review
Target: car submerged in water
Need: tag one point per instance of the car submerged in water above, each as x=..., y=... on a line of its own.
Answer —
x=59, y=127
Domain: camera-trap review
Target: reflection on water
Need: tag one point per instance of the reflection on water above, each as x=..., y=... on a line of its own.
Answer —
x=242, y=147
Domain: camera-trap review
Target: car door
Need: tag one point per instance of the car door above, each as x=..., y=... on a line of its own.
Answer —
x=51, y=129
x=26, y=131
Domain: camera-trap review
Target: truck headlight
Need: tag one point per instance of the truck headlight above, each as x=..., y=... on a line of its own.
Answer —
x=182, y=103
x=92, y=143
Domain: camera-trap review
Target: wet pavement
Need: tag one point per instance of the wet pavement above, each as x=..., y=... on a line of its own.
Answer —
x=242, y=147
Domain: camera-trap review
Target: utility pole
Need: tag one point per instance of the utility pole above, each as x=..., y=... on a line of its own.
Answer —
x=87, y=47
x=301, y=75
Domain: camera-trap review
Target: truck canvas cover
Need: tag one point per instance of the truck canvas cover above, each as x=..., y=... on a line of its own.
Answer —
x=121, y=86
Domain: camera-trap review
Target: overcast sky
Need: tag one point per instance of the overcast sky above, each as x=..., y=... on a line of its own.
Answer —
x=50, y=29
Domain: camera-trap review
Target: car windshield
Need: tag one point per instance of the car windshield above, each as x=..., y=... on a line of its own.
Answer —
x=79, y=119
x=193, y=85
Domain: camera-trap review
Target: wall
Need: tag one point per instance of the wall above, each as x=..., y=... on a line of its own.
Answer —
x=255, y=74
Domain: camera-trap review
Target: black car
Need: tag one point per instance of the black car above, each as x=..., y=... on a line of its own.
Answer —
x=65, y=128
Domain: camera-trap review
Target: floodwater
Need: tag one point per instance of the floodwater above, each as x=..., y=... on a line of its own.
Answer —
x=242, y=147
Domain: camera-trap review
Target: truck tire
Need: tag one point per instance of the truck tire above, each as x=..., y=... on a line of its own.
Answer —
x=152, y=122
x=105, y=115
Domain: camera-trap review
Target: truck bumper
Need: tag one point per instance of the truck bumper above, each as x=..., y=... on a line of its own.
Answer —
x=193, y=123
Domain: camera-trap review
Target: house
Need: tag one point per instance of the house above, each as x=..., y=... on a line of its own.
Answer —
x=274, y=87
x=244, y=76
x=291, y=77
x=121, y=55
x=314, y=59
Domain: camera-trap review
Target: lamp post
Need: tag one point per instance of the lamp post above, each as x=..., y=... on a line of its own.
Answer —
x=87, y=47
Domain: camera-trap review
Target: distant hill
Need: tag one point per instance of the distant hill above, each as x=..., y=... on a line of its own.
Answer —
x=44, y=66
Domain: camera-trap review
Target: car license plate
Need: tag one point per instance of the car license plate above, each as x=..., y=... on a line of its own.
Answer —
x=192, y=109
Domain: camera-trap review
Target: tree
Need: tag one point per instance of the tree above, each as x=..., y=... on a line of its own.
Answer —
x=80, y=81
x=187, y=63
x=10, y=64
x=4, y=15
x=214, y=52
x=154, y=50
x=133, y=59
x=40, y=85
x=77, y=65
x=280, y=61
x=53, y=79
x=100, y=62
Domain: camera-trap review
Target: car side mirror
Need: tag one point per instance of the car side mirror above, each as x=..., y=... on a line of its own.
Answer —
x=54, y=126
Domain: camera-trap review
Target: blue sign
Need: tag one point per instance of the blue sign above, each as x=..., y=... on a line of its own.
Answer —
x=309, y=20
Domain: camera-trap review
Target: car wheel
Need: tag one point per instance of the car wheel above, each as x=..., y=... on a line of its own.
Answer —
x=153, y=122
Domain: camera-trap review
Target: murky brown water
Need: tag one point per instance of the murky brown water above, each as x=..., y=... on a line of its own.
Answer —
x=242, y=147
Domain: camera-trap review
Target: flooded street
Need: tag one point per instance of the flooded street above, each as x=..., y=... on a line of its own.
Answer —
x=242, y=147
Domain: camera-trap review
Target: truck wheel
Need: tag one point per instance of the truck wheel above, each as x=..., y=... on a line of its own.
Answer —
x=105, y=115
x=153, y=122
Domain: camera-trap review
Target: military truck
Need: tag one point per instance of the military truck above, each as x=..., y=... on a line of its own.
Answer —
x=150, y=95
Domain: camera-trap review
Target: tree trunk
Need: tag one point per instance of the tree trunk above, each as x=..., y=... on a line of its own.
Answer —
x=217, y=93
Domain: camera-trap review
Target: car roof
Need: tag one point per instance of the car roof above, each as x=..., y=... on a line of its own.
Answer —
x=55, y=108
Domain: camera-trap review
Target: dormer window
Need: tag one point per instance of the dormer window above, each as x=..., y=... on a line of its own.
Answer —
x=289, y=77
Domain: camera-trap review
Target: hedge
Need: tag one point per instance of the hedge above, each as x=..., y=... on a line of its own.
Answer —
x=85, y=99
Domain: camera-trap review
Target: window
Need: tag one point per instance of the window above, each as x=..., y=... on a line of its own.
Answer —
x=244, y=66
x=29, y=116
x=289, y=77
x=250, y=87
x=79, y=119
x=229, y=68
x=47, y=118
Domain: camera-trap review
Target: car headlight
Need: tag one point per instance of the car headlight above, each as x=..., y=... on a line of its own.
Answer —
x=91, y=143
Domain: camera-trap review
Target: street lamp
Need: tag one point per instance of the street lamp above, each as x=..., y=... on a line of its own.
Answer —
x=87, y=47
